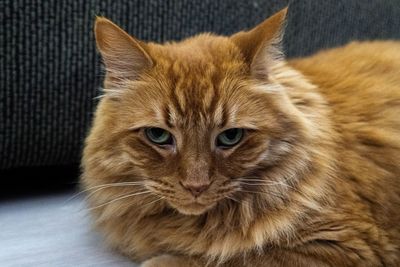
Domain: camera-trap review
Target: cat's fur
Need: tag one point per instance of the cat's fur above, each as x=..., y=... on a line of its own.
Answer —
x=315, y=181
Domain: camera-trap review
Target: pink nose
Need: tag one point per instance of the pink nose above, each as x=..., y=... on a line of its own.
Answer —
x=195, y=188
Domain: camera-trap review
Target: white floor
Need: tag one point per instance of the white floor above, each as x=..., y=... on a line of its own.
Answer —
x=51, y=231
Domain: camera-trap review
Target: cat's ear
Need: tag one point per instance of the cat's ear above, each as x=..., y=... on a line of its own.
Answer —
x=124, y=56
x=261, y=46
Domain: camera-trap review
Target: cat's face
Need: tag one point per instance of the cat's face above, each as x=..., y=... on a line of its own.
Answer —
x=194, y=120
x=192, y=130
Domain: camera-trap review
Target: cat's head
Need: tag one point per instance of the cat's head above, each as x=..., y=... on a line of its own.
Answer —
x=194, y=122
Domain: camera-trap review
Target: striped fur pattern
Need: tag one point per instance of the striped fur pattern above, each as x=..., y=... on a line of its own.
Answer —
x=313, y=182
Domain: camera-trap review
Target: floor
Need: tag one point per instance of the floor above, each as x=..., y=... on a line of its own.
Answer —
x=51, y=231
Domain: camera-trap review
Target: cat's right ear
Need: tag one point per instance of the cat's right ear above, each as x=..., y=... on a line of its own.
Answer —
x=124, y=56
x=261, y=46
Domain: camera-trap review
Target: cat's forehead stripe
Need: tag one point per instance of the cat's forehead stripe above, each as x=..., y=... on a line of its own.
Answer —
x=173, y=117
x=192, y=96
x=168, y=117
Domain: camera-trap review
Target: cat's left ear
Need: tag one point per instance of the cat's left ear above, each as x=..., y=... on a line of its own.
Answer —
x=124, y=56
x=261, y=46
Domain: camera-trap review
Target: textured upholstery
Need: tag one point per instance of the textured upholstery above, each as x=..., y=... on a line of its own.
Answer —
x=50, y=72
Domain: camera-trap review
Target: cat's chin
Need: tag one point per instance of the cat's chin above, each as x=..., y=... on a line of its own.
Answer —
x=193, y=208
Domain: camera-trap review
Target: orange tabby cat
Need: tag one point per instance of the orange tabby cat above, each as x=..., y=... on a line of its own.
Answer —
x=216, y=151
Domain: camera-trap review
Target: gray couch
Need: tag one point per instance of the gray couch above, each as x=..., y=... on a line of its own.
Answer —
x=49, y=75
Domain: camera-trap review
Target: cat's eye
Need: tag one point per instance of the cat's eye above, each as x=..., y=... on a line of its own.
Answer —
x=159, y=136
x=229, y=138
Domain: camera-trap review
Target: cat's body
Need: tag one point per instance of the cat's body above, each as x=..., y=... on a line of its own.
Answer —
x=323, y=191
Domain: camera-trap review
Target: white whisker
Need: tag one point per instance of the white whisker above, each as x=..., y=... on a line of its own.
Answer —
x=269, y=184
x=99, y=97
x=120, y=198
x=108, y=186
x=262, y=192
x=102, y=186
x=233, y=199
x=261, y=182
x=158, y=199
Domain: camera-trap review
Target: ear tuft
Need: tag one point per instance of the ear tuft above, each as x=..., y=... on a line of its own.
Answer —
x=124, y=56
x=261, y=46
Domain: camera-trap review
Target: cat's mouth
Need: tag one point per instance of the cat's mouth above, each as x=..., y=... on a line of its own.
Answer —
x=193, y=208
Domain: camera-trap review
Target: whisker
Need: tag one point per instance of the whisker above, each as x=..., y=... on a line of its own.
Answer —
x=102, y=186
x=163, y=183
x=98, y=97
x=227, y=188
x=233, y=199
x=266, y=183
x=248, y=177
x=111, y=184
x=105, y=187
x=120, y=183
x=262, y=192
x=252, y=180
x=269, y=184
x=120, y=198
x=158, y=199
x=260, y=183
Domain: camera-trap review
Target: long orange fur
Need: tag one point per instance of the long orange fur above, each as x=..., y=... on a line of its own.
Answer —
x=314, y=182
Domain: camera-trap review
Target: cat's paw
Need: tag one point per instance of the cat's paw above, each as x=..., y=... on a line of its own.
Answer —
x=165, y=261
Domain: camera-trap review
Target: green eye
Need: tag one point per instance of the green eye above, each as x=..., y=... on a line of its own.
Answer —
x=159, y=136
x=229, y=137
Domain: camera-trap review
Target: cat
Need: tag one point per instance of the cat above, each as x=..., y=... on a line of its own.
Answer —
x=217, y=151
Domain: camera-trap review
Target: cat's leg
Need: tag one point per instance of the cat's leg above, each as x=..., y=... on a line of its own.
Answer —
x=172, y=261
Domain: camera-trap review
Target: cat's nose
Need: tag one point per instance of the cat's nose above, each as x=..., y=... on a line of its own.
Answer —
x=195, y=188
